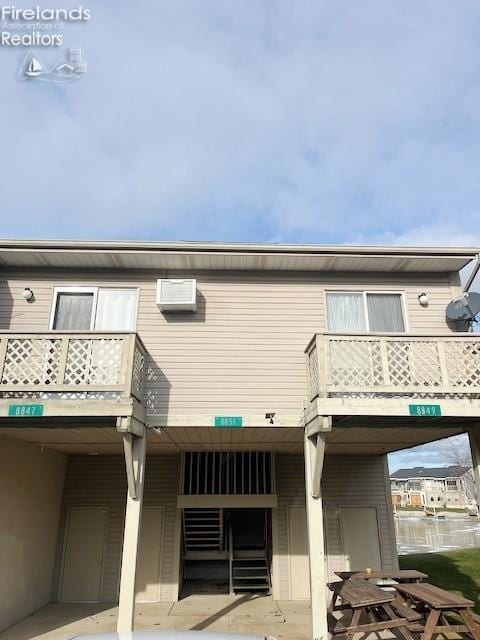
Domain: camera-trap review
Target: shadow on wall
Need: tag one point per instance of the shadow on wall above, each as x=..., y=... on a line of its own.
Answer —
x=187, y=317
x=157, y=389
x=6, y=304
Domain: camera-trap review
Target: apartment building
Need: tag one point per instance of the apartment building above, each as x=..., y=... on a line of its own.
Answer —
x=434, y=487
x=175, y=416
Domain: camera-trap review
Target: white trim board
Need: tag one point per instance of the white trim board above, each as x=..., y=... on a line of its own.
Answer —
x=243, y=501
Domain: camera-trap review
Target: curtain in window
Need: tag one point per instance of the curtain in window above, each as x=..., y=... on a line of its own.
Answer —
x=385, y=312
x=116, y=310
x=345, y=312
x=73, y=311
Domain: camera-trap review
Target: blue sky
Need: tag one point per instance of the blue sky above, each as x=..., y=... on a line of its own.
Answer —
x=435, y=454
x=322, y=121
x=284, y=121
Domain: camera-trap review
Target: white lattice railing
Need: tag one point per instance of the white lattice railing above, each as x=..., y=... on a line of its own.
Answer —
x=384, y=364
x=71, y=364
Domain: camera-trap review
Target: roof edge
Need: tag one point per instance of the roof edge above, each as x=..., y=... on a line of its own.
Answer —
x=235, y=247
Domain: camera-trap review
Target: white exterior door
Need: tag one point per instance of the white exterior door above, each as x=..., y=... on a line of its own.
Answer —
x=360, y=535
x=148, y=578
x=298, y=553
x=83, y=555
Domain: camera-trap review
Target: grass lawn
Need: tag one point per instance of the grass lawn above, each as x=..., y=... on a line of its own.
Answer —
x=457, y=571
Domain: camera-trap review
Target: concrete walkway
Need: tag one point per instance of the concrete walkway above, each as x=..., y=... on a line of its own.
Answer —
x=253, y=614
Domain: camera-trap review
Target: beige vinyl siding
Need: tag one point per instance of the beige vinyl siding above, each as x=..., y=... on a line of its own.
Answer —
x=356, y=481
x=243, y=351
x=290, y=486
x=31, y=483
x=348, y=481
x=162, y=481
x=99, y=481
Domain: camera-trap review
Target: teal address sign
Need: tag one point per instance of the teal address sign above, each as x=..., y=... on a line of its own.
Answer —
x=425, y=410
x=228, y=422
x=25, y=410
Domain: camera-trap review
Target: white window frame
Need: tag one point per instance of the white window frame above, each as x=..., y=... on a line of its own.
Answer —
x=94, y=291
x=364, y=293
x=60, y=290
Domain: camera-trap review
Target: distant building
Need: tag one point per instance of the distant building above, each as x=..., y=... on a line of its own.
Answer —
x=444, y=487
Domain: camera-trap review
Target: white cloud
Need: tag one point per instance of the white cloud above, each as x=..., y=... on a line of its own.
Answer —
x=435, y=234
x=434, y=454
x=326, y=121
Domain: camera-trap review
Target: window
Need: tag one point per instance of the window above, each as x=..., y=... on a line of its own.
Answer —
x=94, y=308
x=73, y=310
x=346, y=312
x=116, y=310
x=365, y=311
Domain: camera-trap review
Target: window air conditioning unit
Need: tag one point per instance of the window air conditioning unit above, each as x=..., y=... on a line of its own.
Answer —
x=177, y=295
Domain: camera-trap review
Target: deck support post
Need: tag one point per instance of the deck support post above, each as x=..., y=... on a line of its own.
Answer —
x=135, y=450
x=314, y=456
x=474, y=439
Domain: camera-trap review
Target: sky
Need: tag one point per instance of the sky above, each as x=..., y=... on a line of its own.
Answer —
x=326, y=121
x=434, y=454
x=283, y=121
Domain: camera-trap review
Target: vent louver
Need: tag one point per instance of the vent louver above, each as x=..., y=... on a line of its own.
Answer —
x=177, y=295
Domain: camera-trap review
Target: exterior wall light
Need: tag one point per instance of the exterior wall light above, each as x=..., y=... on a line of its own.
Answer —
x=27, y=293
x=423, y=299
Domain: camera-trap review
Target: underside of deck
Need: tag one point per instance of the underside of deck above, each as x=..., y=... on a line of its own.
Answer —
x=349, y=435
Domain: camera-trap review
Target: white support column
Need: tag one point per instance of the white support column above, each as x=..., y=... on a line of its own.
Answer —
x=390, y=511
x=314, y=454
x=474, y=438
x=135, y=449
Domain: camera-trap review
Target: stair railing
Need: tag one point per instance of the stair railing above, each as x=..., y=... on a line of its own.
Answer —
x=267, y=555
x=230, y=556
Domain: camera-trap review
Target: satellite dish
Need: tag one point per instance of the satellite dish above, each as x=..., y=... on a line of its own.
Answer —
x=464, y=308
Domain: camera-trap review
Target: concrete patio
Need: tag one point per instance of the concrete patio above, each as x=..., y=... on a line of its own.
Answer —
x=253, y=614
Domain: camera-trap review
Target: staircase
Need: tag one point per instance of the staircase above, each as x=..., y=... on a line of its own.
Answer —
x=203, y=529
x=249, y=565
x=250, y=573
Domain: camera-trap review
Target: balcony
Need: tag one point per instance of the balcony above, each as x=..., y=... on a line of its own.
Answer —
x=427, y=376
x=71, y=373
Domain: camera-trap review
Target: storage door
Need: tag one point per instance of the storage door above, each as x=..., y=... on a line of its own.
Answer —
x=150, y=555
x=83, y=555
x=361, y=544
x=298, y=553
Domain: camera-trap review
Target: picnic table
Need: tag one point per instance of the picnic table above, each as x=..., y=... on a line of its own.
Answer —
x=362, y=597
x=437, y=602
x=402, y=575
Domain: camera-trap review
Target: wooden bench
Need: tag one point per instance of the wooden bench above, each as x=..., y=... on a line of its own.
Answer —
x=437, y=603
x=364, y=598
x=405, y=612
x=402, y=575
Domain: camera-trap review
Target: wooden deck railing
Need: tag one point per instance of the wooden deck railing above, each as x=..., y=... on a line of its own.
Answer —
x=382, y=364
x=71, y=363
